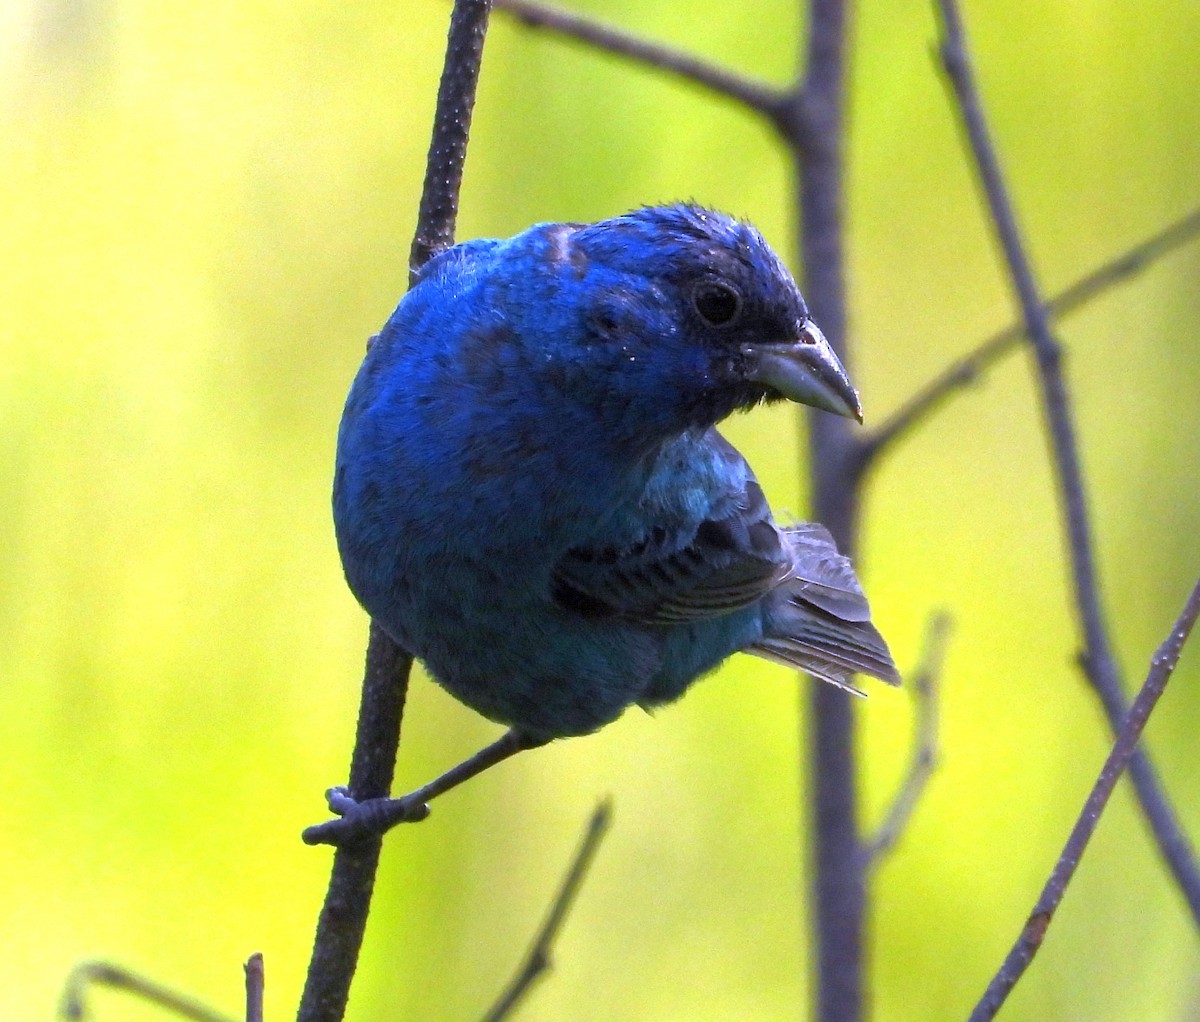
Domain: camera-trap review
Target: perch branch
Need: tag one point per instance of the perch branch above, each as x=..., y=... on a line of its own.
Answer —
x=88, y=974
x=758, y=96
x=925, y=685
x=539, y=959
x=343, y=917
x=1099, y=662
x=347, y=901
x=1034, y=930
x=438, y=212
x=967, y=370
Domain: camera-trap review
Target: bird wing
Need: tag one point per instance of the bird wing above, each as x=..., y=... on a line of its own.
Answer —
x=818, y=621
x=822, y=576
x=686, y=571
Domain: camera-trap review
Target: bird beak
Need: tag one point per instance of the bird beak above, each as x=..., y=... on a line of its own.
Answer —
x=805, y=370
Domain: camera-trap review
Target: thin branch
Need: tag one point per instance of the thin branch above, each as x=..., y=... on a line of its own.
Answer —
x=817, y=138
x=1034, y=931
x=438, y=212
x=347, y=901
x=255, y=983
x=967, y=370
x=88, y=974
x=758, y=96
x=1099, y=662
x=539, y=959
x=925, y=685
x=343, y=917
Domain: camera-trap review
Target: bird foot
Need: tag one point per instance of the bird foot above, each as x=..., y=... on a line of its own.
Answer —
x=360, y=821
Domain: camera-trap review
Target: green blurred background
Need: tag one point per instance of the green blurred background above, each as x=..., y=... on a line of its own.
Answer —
x=204, y=212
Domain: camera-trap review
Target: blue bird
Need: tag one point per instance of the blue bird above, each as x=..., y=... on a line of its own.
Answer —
x=530, y=494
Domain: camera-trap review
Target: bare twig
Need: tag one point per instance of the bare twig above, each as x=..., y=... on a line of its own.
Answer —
x=760, y=97
x=87, y=974
x=1032, y=934
x=967, y=370
x=255, y=983
x=438, y=212
x=925, y=685
x=1098, y=660
x=347, y=901
x=539, y=959
x=838, y=884
x=385, y=684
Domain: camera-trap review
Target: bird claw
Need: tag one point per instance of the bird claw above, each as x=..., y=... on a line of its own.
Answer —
x=360, y=821
x=339, y=800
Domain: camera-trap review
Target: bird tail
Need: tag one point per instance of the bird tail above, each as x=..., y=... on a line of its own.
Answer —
x=818, y=620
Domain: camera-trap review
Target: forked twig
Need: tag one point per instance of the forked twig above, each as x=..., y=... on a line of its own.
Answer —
x=967, y=370
x=87, y=974
x=760, y=97
x=1098, y=660
x=539, y=959
x=926, y=684
x=1034, y=931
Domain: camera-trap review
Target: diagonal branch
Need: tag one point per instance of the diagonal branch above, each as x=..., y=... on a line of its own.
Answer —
x=538, y=960
x=343, y=917
x=1034, y=930
x=760, y=97
x=92, y=973
x=1097, y=657
x=967, y=370
x=926, y=683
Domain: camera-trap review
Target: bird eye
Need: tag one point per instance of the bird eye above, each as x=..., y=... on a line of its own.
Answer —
x=716, y=303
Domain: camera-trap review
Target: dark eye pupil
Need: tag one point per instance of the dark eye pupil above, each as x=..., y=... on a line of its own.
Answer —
x=716, y=303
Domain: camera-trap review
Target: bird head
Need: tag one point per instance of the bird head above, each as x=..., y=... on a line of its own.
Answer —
x=693, y=309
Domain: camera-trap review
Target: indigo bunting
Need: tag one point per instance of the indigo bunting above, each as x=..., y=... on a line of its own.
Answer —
x=530, y=494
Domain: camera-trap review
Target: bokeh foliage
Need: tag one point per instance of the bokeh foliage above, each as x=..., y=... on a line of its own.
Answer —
x=205, y=210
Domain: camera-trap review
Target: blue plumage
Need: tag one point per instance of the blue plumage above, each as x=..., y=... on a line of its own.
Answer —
x=530, y=495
